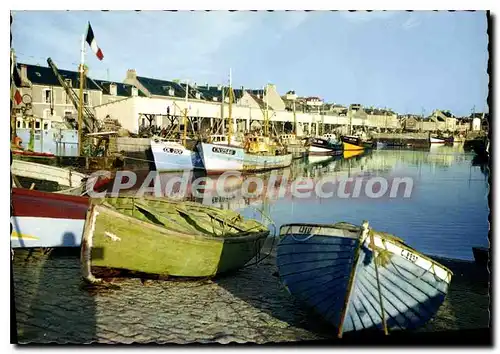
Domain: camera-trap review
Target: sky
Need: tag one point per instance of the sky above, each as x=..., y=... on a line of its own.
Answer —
x=411, y=62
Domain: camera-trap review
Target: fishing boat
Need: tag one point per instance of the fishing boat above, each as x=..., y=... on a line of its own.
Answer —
x=352, y=143
x=227, y=154
x=174, y=155
x=157, y=236
x=171, y=155
x=263, y=151
x=322, y=146
x=43, y=219
x=358, y=278
x=293, y=145
x=439, y=139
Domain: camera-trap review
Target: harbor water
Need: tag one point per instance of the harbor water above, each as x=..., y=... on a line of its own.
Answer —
x=445, y=215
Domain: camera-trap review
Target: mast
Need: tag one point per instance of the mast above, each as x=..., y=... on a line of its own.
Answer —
x=230, y=110
x=222, y=112
x=294, y=120
x=80, y=106
x=184, y=120
x=266, y=114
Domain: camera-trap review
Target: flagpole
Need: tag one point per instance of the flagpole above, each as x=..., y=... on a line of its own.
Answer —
x=80, y=106
x=12, y=92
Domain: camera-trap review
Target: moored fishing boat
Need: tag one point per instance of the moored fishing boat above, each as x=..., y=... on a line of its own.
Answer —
x=358, y=278
x=218, y=158
x=42, y=219
x=320, y=146
x=167, y=238
x=262, y=154
x=170, y=155
x=352, y=143
x=173, y=154
x=223, y=153
x=441, y=140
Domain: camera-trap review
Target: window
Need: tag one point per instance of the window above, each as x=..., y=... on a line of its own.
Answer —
x=47, y=95
x=68, y=82
x=171, y=92
x=46, y=126
x=86, y=98
x=46, y=113
x=18, y=124
x=112, y=89
x=134, y=91
x=198, y=96
x=68, y=114
x=37, y=124
x=215, y=98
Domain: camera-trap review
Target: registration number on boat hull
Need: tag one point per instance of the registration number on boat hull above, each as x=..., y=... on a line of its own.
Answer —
x=409, y=256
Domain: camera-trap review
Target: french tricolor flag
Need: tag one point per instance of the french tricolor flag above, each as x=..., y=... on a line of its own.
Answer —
x=93, y=44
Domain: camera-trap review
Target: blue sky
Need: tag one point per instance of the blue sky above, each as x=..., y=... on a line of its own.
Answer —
x=407, y=61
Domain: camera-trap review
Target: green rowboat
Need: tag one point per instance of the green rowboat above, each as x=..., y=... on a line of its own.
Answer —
x=167, y=238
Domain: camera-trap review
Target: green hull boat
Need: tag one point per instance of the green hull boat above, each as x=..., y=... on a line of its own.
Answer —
x=167, y=238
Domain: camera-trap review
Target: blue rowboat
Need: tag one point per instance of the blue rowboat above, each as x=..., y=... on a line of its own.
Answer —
x=358, y=278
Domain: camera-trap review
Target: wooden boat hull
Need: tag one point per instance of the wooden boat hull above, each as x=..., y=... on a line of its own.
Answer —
x=42, y=219
x=332, y=269
x=62, y=176
x=172, y=156
x=220, y=158
x=255, y=162
x=118, y=241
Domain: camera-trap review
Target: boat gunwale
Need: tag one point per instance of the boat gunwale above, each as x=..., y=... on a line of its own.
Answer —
x=376, y=233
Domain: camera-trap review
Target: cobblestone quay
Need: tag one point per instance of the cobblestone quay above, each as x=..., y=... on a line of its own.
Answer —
x=54, y=305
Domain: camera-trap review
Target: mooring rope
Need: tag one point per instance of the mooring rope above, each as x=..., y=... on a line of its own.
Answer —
x=382, y=310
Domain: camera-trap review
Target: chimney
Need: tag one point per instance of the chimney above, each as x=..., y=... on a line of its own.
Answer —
x=131, y=74
x=24, y=73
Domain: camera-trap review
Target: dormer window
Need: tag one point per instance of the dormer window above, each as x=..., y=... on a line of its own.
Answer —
x=198, y=95
x=68, y=82
x=112, y=89
x=215, y=99
x=171, y=92
x=226, y=99
x=134, y=91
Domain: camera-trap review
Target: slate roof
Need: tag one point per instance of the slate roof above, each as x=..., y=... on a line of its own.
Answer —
x=161, y=87
x=122, y=90
x=41, y=75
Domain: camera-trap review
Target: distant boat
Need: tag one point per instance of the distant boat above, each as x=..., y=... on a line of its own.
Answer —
x=358, y=278
x=353, y=143
x=161, y=237
x=171, y=155
x=440, y=140
x=46, y=220
x=322, y=146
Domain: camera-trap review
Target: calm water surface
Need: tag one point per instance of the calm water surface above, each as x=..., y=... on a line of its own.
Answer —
x=446, y=215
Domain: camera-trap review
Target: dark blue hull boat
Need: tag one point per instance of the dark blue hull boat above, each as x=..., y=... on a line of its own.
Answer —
x=334, y=270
